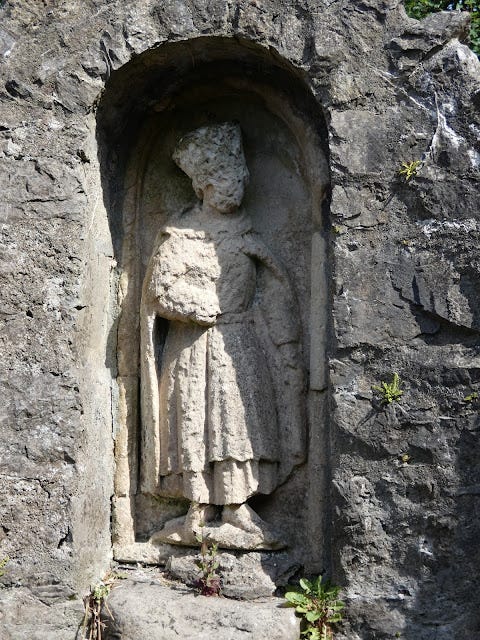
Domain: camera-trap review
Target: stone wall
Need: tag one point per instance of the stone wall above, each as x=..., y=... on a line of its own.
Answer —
x=403, y=518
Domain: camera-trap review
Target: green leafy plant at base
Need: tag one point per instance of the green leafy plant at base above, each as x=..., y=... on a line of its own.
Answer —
x=318, y=604
x=471, y=397
x=3, y=564
x=420, y=8
x=94, y=602
x=209, y=583
x=410, y=169
x=389, y=391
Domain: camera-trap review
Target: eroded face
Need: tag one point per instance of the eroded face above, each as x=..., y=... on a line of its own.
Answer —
x=224, y=194
x=213, y=158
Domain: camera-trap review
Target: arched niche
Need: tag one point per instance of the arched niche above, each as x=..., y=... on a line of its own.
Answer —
x=147, y=106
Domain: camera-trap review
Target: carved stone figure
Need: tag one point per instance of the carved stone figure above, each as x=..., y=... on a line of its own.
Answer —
x=221, y=382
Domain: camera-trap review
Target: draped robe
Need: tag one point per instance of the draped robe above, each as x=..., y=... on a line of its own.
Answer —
x=213, y=427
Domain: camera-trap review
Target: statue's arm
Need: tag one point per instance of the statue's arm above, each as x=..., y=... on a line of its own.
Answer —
x=172, y=291
x=258, y=250
x=275, y=293
x=277, y=321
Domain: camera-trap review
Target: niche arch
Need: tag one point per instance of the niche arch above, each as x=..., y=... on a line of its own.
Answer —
x=147, y=106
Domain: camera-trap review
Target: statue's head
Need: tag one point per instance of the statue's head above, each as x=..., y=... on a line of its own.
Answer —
x=212, y=157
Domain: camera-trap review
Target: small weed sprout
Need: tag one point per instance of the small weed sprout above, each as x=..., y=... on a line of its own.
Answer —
x=209, y=583
x=410, y=169
x=94, y=603
x=471, y=397
x=3, y=564
x=317, y=602
x=389, y=391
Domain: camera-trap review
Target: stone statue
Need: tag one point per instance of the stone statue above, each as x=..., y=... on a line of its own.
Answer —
x=221, y=384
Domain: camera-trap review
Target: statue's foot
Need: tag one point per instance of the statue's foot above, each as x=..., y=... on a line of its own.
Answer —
x=250, y=528
x=243, y=517
x=185, y=530
x=240, y=528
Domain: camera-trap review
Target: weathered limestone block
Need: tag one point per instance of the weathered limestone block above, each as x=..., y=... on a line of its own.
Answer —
x=142, y=611
x=38, y=615
x=246, y=576
x=419, y=38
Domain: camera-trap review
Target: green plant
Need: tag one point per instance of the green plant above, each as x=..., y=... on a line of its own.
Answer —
x=389, y=391
x=471, y=397
x=420, y=8
x=318, y=604
x=94, y=603
x=3, y=564
x=410, y=169
x=209, y=582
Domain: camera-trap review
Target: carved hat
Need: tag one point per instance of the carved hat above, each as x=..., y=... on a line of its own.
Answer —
x=213, y=155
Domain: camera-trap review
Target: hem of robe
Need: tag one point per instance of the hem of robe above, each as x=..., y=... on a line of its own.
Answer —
x=226, y=482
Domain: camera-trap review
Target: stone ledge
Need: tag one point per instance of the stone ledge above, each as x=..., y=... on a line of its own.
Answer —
x=150, y=611
x=24, y=616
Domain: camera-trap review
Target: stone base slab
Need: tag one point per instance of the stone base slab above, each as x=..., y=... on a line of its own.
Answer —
x=155, y=611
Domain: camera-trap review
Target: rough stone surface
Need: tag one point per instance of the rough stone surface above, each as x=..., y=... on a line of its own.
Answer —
x=142, y=611
x=38, y=614
x=245, y=576
x=404, y=272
